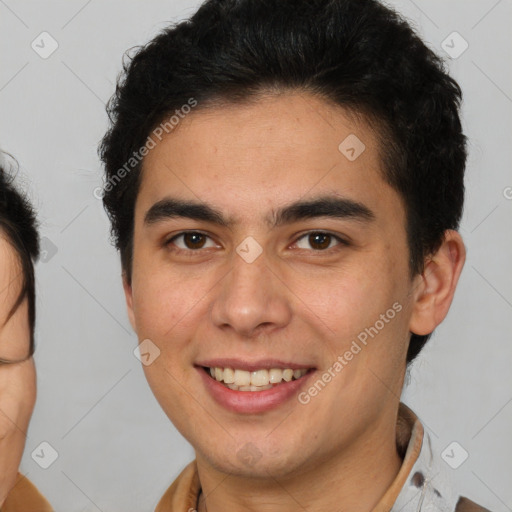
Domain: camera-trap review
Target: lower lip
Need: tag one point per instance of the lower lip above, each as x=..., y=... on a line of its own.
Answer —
x=252, y=402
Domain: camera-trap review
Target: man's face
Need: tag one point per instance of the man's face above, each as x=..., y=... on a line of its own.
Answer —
x=264, y=291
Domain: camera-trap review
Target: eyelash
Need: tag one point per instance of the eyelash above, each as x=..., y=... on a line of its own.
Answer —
x=190, y=252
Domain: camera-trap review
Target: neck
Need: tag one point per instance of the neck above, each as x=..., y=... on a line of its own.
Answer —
x=350, y=481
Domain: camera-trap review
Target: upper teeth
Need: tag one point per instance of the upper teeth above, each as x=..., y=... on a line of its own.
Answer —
x=257, y=378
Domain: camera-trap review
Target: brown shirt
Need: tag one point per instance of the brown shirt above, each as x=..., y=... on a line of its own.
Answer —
x=24, y=497
x=415, y=487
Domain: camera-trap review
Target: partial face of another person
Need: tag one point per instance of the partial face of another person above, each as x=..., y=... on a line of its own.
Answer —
x=292, y=257
x=17, y=379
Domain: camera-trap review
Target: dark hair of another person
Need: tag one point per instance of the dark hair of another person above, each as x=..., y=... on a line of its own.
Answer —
x=358, y=54
x=18, y=224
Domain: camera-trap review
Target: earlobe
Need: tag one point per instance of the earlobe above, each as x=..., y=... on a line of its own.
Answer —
x=128, y=294
x=436, y=285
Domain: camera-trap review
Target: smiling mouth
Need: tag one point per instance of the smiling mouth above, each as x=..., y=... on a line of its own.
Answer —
x=259, y=380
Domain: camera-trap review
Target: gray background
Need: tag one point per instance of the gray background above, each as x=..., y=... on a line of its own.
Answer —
x=116, y=449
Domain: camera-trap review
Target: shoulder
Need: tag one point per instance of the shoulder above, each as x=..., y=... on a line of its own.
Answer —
x=466, y=505
x=24, y=497
x=183, y=493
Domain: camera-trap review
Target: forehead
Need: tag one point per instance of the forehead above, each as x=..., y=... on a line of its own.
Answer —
x=267, y=152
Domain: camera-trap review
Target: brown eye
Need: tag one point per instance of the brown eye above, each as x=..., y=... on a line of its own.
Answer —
x=190, y=241
x=319, y=241
x=194, y=240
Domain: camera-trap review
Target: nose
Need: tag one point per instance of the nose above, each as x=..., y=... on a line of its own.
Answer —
x=252, y=300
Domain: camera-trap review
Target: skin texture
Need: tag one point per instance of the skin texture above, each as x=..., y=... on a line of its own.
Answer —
x=295, y=302
x=18, y=379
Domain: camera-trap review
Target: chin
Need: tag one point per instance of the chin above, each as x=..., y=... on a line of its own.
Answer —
x=251, y=459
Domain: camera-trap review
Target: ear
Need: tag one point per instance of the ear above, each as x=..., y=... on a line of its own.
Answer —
x=128, y=294
x=435, y=287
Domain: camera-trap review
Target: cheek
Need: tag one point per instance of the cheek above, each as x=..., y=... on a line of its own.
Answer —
x=154, y=294
x=346, y=299
x=164, y=301
x=363, y=303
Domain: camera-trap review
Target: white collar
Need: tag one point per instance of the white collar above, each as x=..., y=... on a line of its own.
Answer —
x=429, y=486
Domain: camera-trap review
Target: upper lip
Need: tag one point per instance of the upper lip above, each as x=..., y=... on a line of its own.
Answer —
x=252, y=366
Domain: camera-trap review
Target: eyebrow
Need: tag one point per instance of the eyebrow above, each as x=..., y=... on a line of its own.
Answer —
x=326, y=206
